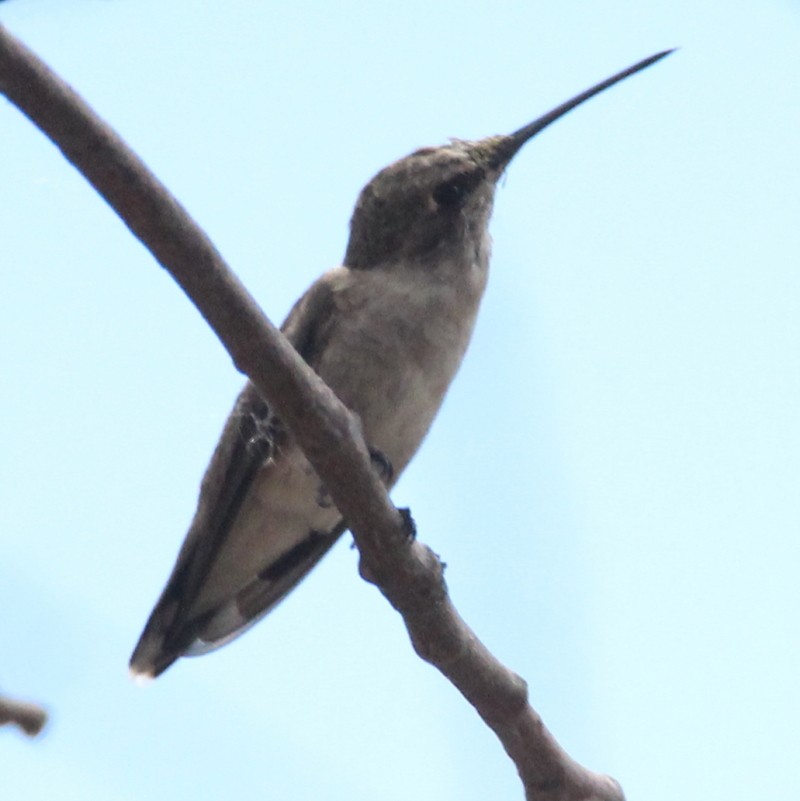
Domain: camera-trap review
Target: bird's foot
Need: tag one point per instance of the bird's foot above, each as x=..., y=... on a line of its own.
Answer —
x=409, y=526
x=383, y=467
x=382, y=464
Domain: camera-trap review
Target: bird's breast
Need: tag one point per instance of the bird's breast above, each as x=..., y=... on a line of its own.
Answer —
x=398, y=343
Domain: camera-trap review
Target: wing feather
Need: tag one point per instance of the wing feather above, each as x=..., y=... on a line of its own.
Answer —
x=184, y=618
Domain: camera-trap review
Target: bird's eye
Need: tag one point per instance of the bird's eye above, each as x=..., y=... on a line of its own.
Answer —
x=450, y=193
x=454, y=191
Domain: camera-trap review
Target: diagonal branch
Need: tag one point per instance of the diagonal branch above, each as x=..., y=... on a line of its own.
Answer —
x=28, y=717
x=407, y=573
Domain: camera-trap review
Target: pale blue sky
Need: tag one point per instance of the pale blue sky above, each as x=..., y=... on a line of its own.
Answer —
x=613, y=480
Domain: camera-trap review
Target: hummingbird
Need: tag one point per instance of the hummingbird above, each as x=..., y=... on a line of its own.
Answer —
x=387, y=331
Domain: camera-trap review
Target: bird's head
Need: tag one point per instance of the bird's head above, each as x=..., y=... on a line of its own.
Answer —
x=439, y=198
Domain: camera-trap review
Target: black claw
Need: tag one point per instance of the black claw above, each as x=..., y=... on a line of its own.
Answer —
x=409, y=526
x=382, y=464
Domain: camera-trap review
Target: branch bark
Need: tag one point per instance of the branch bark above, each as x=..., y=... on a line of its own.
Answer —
x=407, y=573
x=28, y=717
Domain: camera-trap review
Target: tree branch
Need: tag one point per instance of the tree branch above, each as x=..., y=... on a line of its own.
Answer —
x=29, y=717
x=406, y=572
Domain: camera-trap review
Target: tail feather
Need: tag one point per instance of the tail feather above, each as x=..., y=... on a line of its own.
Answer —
x=173, y=632
x=152, y=655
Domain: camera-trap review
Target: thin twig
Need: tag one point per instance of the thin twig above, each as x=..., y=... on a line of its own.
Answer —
x=28, y=717
x=407, y=573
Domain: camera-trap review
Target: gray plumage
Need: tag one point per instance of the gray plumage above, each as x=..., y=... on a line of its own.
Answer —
x=387, y=332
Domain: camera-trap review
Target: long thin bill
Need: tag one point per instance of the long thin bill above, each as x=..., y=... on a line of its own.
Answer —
x=517, y=139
